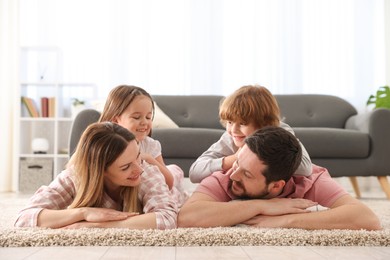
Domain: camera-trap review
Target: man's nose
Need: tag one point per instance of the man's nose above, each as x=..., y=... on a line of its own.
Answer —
x=236, y=175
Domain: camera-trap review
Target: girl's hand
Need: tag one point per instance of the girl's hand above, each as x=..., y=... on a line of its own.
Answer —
x=148, y=158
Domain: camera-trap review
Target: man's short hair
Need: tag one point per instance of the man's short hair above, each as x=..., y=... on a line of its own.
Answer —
x=277, y=148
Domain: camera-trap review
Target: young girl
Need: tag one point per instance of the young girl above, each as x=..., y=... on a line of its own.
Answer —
x=104, y=186
x=249, y=108
x=133, y=108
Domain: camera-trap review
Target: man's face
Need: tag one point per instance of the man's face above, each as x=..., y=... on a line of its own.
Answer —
x=247, y=178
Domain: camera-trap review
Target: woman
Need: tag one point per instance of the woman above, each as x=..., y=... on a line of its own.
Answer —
x=104, y=186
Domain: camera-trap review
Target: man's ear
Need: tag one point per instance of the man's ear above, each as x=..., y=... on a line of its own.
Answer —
x=276, y=187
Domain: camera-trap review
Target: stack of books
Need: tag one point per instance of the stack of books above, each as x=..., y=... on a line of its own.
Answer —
x=47, y=106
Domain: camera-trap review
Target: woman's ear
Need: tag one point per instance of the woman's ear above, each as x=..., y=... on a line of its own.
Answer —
x=115, y=120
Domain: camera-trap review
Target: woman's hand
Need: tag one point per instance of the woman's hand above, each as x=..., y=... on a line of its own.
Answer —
x=104, y=214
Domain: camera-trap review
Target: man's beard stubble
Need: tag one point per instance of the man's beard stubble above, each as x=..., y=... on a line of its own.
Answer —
x=245, y=195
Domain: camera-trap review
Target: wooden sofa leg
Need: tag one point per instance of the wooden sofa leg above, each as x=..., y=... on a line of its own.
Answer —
x=385, y=185
x=355, y=186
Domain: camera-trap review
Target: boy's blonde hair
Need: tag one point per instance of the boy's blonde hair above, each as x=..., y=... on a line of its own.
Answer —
x=250, y=104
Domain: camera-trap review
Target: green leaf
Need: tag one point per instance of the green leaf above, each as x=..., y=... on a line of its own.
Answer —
x=381, y=99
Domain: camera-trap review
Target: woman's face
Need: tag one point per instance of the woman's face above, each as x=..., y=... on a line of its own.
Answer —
x=126, y=169
x=137, y=117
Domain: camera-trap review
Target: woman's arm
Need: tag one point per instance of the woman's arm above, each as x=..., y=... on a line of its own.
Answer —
x=60, y=218
x=48, y=207
x=57, y=196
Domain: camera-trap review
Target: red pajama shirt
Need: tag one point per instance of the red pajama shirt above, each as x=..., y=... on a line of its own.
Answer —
x=318, y=187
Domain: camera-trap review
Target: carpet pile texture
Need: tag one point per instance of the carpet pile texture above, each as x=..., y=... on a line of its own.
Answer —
x=222, y=236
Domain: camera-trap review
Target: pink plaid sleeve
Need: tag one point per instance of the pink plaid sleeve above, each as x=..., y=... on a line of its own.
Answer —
x=155, y=197
x=58, y=195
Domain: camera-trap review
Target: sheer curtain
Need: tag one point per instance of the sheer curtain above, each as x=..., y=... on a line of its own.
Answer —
x=8, y=84
x=215, y=46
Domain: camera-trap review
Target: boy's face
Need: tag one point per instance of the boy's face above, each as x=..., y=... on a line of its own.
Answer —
x=239, y=131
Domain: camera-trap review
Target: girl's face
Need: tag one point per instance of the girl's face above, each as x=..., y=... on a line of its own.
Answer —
x=137, y=117
x=239, y=131
x=125, y=170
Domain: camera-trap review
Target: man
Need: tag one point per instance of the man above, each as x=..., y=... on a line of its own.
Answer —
x=260, y=190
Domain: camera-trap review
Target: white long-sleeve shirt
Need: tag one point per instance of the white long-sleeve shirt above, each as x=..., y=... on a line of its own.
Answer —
x=211, y=160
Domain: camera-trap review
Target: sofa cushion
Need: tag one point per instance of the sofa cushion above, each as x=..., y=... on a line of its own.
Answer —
x=161, y=120
x=191, y=111
x=315, y=110
x=186, y=142
x=321, y=142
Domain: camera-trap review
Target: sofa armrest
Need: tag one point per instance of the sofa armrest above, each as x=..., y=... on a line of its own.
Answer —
x=376, y=121
x=377, y=124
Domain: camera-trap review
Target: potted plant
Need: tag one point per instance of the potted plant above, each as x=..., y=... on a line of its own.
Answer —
x=381, y=99
x=77, y=106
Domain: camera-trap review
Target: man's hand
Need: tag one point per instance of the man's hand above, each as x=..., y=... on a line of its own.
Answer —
x=104, y=214
x=282, y=206
x=262, y=221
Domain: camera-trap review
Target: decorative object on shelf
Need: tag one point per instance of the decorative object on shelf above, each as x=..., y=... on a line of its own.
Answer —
x=381, y=99
x=40, y=145
x=77, y=106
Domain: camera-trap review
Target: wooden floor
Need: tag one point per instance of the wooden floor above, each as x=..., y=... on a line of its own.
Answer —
x=209, y=253
x=196, y=253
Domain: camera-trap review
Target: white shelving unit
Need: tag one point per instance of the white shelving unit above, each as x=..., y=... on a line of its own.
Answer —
x=56, y=128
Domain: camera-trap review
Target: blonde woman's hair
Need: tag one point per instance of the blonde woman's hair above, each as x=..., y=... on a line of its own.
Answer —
x=99, y=146
x=119, y=99
x=250, y=104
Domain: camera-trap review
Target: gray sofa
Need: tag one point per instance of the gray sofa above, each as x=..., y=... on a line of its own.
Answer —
x=335, y=135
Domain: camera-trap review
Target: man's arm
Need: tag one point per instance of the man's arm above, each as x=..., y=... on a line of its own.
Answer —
x=345, y=213
x=202, y=210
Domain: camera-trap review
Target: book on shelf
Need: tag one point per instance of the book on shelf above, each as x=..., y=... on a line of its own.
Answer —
x=45, y=106
x=51, y=106
x=31, y=106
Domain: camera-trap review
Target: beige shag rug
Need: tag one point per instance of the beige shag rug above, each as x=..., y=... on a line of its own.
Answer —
x=231, y=236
